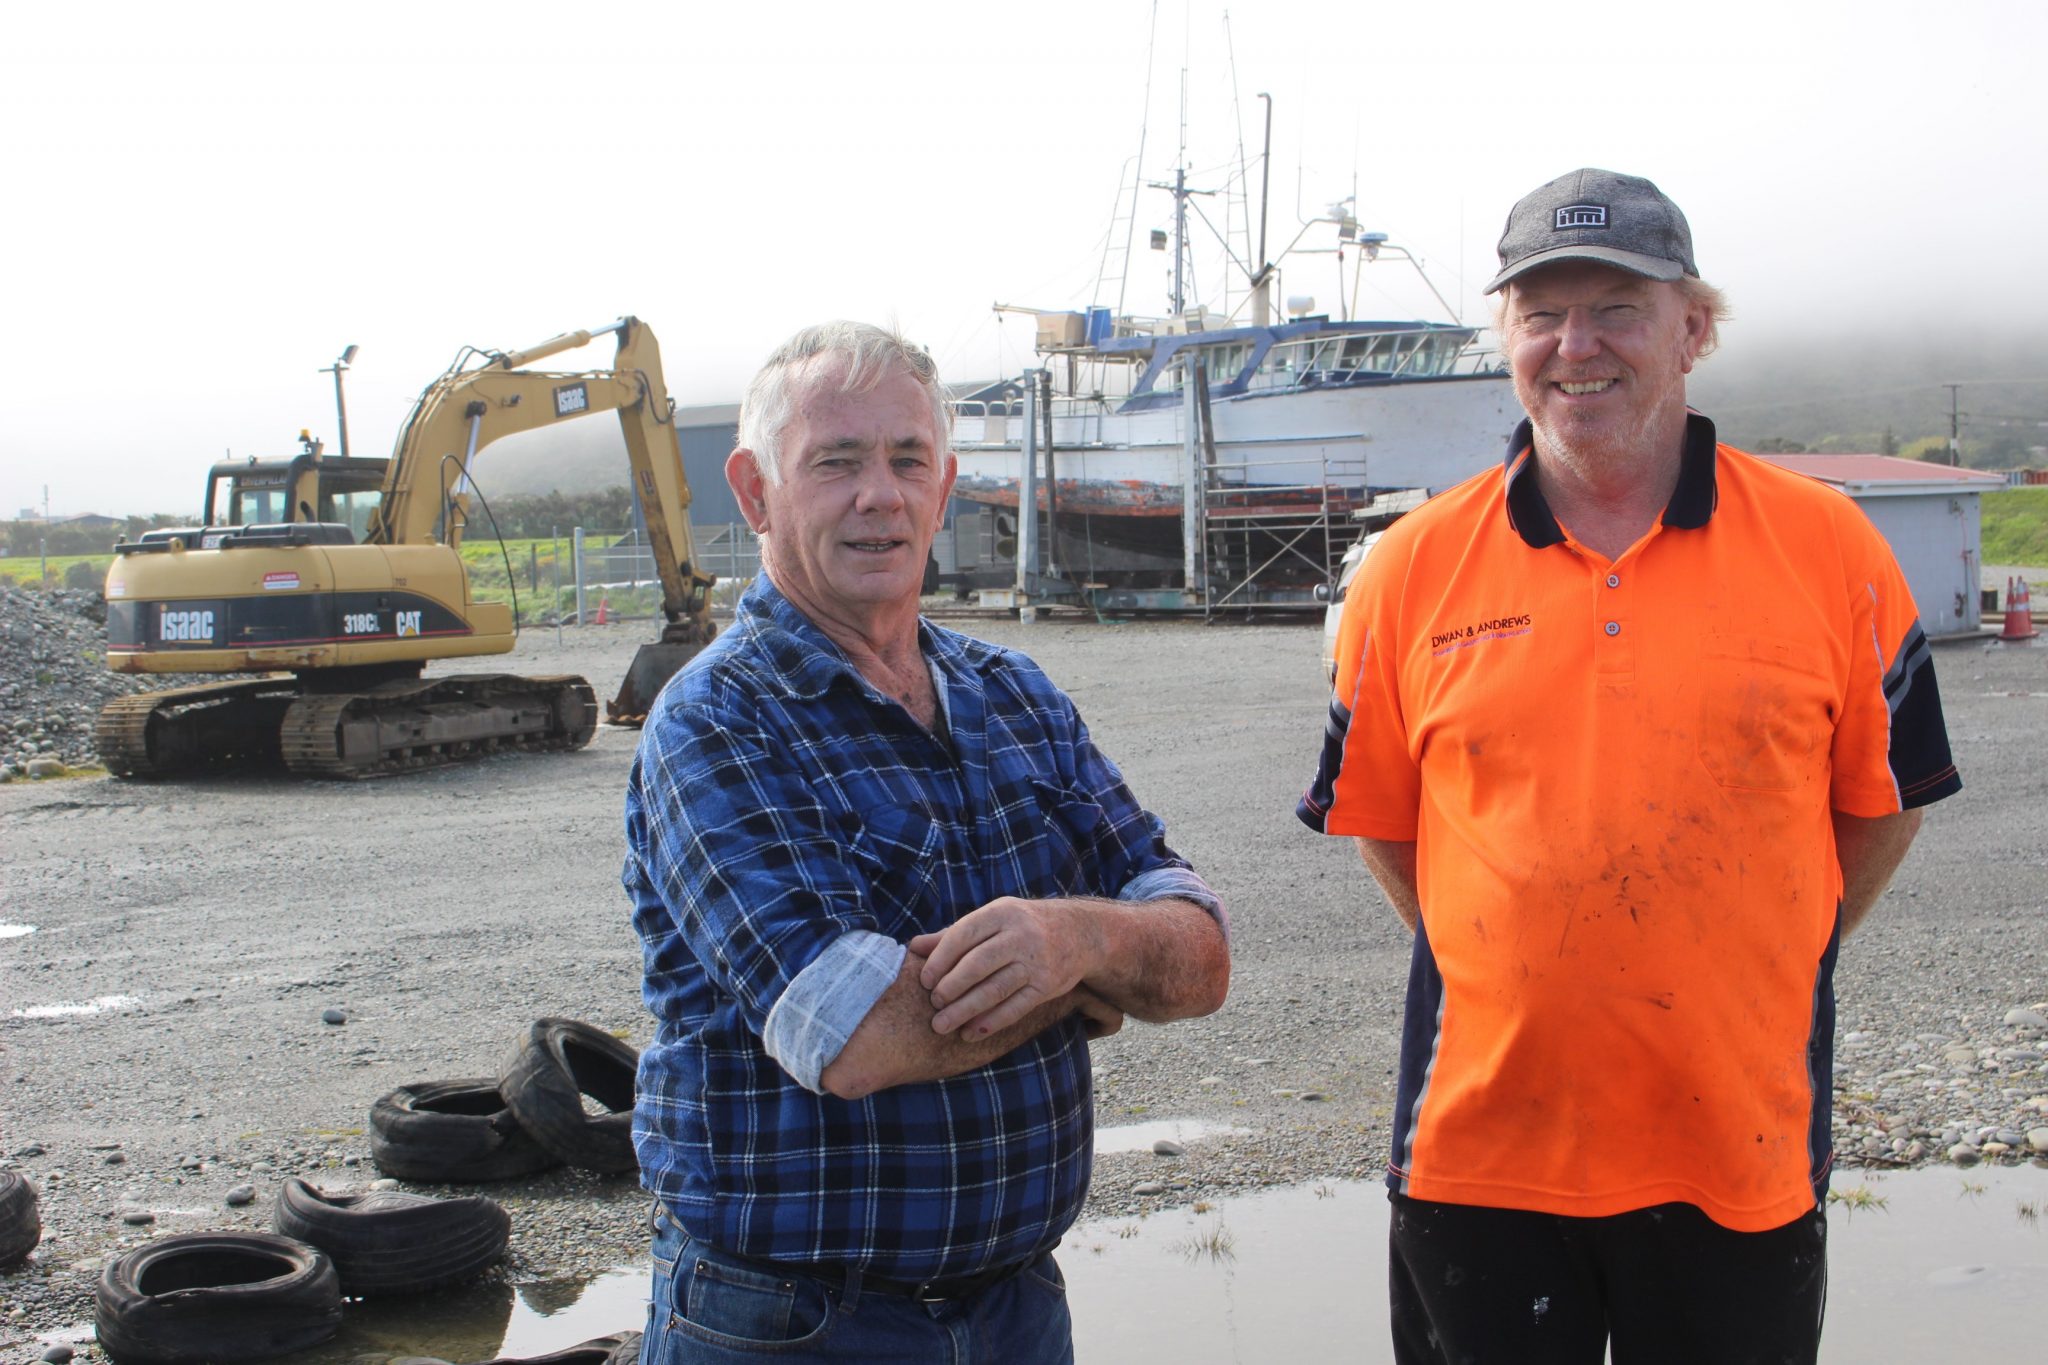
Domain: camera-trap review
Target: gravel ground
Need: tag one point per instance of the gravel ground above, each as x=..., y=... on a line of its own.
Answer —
x=214, y=923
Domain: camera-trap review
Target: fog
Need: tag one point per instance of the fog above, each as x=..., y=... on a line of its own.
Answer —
x=210, y=201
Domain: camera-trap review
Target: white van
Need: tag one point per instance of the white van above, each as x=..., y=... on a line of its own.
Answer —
x=1332, y=614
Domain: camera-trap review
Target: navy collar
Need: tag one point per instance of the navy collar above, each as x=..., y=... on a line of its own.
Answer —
x=1690, y=508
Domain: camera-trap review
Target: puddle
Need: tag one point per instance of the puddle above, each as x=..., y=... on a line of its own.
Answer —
x=1947, y=1261
x=16, y=930
x=1139, y=1137
x=485, y=1323
x=1302, y=1273
x=67, y=1008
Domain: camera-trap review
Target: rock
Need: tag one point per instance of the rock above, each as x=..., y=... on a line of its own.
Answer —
x=1963, y=1154
x=332, y=1015
x=1167, y=1147
x=32, y=1149
x=1960, y=1055
x=1210, y=1080
x=1149, y=1187
x=1994, y=1149
x=1312, y=1097
x=138, y=1218
x=60, y=1354
x=39, y=768
x=384, y=1183
x=2030, y=1020
x=2011, y=1137
x=2037, y=1138
x=116, y=1158
x=240, y=1195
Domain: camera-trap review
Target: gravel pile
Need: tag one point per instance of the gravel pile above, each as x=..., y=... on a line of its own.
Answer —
x=53, y=679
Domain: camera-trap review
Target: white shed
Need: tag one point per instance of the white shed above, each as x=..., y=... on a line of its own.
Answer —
x=1932, y=516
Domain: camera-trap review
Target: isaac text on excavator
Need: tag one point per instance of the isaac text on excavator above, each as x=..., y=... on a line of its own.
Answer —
x=341, y=579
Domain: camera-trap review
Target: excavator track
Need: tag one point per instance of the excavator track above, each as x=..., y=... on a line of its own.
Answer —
x=194, y=729
x=395, y=728
x=433, y=722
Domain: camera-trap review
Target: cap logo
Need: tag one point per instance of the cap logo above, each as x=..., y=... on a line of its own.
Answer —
x=1582, y=216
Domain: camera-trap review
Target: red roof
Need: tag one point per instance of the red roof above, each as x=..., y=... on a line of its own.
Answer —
x=1884, y=469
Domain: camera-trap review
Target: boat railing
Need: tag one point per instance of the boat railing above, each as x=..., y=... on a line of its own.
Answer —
x=1365, y=357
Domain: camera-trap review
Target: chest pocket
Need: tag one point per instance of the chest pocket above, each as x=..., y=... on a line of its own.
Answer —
x=898, y=851
x=1766, y=713
x=1070, y=823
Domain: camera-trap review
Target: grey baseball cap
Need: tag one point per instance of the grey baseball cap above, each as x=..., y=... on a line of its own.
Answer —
x=1593, y=215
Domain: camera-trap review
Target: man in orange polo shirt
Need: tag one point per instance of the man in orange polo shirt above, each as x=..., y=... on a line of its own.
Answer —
x=1631, y=731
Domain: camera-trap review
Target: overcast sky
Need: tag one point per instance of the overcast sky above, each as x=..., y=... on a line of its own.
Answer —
x=209, y=201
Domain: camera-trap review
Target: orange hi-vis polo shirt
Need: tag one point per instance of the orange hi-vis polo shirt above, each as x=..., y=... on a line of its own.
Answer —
x=1620, y=777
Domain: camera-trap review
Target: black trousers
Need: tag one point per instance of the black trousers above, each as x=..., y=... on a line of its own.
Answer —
x=1668, y=1286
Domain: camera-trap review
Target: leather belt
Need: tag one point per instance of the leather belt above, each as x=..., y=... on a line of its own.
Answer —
x=918, y=1291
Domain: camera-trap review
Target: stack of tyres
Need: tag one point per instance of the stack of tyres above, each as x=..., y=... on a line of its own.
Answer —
x=532, y=1117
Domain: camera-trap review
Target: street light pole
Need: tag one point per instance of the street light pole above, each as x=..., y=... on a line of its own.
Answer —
x=340, y=405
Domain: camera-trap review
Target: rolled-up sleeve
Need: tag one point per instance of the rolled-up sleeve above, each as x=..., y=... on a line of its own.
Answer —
x=809, y=1025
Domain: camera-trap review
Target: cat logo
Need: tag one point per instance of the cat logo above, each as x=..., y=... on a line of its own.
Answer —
x=408, y=623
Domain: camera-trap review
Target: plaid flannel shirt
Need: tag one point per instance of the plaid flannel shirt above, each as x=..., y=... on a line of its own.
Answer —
x=788, y=828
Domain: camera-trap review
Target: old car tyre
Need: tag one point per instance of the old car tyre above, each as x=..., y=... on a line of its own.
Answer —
x=216, y=1296
x=387, y=1242
x=620, y=1348
x=21, y=1226
x=452, y=1131
x=562, y=1062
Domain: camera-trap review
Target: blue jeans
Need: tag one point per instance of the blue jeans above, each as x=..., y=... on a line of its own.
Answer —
x=709, y=1308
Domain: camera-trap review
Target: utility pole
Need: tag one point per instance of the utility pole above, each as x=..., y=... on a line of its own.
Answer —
x=1955, y=426
x=340, y=365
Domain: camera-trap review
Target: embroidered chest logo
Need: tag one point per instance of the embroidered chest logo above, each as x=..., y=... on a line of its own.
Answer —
x=1582, y=216
x=1449, y=641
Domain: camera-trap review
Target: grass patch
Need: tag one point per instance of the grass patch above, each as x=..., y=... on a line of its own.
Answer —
x=2016, y=526
x=1857, y=1199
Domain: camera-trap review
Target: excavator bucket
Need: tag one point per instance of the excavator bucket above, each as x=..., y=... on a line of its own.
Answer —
x=653, y=666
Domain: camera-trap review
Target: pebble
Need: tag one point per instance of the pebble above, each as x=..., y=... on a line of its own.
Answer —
x=1312, y=1097
x=331, y=1015
x=2026, y=1019
x=32, y=1149
x=1149, y=1187
x=116, y=1158
x=1963, y=1154
x=1210, y=1081
x=39, y=768
x=1167, y=1147
x=138, y=1218
x=384, y=1183
x=60, y=1354
x=2037, y=1138
x=240, y=1195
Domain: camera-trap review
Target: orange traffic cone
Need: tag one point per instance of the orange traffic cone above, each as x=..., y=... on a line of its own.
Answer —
x=604, y=609
x=2019, y=611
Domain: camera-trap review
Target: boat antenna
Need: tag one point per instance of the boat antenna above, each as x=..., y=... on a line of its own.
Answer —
x=1137, y=170
x=1260, y=307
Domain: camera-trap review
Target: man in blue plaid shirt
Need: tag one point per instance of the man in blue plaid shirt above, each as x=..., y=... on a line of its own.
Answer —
x=887, y=889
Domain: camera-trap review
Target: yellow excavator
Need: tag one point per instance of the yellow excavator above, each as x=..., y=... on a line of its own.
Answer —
x=340, y=579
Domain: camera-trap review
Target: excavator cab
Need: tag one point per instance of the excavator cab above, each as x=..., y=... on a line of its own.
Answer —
x=309, y=487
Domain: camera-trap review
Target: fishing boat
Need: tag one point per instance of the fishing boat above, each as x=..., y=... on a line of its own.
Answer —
x=1204, y=461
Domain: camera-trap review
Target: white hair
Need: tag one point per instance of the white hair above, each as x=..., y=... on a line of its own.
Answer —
x=871, y=354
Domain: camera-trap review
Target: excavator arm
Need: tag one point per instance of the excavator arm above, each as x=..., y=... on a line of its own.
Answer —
x=425, y=497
